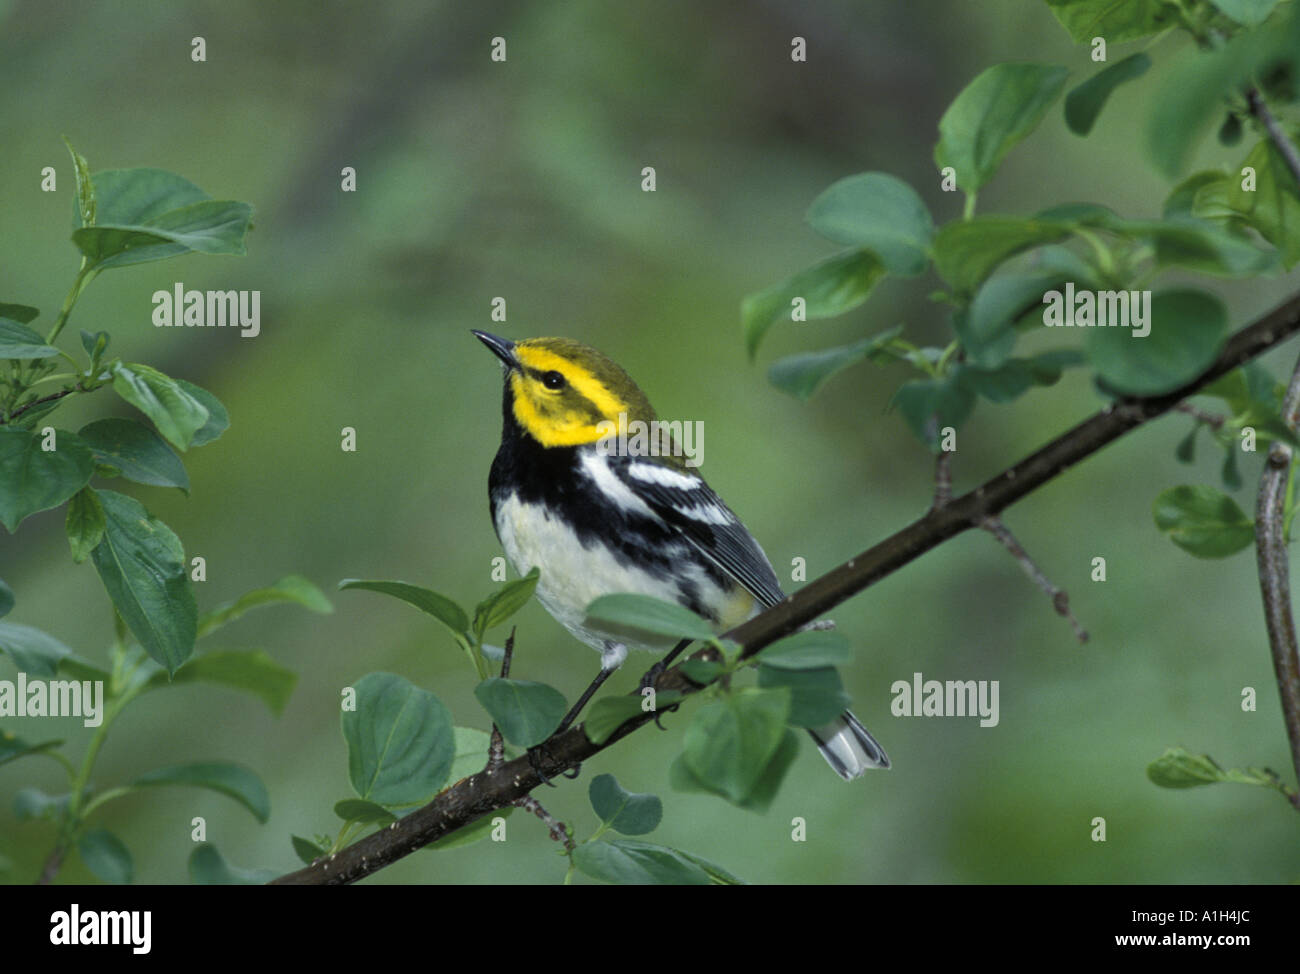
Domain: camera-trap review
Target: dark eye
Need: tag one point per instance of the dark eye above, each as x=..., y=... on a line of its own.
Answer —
x=553, y=380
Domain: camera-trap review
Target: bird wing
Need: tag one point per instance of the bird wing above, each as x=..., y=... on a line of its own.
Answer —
x=684, y=501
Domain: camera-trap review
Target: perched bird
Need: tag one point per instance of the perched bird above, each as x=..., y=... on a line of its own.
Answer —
x=598, y=523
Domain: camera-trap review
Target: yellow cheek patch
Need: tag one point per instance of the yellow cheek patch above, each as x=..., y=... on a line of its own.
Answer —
x=595, y=391
x=539, y=410
x=549, y=428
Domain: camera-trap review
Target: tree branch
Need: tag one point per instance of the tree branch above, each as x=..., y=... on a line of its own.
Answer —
x=480, y=794
x=1275, y=574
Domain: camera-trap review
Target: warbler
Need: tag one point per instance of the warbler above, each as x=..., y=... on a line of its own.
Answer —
x=597, y=522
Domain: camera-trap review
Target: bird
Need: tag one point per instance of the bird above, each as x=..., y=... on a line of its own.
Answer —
x=599, y=521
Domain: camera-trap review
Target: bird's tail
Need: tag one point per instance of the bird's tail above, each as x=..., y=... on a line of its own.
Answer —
x=848, y=747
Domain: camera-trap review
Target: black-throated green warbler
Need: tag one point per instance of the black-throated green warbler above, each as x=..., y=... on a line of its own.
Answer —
x=598, y=522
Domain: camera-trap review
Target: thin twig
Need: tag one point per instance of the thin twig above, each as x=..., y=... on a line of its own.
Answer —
x=1213, y=420
x=1285, y=147
x=998, y=528
x=559, y=831
x=497, y=745
x=1060, y=600
x=472, y=798
x=44, y=399
x=52, y=864
x=942, y=479
x=1275, y=574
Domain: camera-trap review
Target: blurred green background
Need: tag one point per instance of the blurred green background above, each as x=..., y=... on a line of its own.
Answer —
x=521, y=179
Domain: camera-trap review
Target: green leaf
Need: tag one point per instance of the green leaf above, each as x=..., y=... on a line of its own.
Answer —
x=995, y=111
x=1015, y=376
x=13, y=747
x=84, y=524
x=471, y=753
x=626, y=862
x=142, y=565
x=1084, y=103
x=1116, y=21
x=987, y=327
x=307, y=850
x=150, y=214
x=1204, y=521
x=218, y=419
x=928, y=405
x=1178, y=768
x=291, y=588
x=136, y=452
x=34, y=652
x=24, y=314
x=17, y=341
x=249, y=670
x=1248, y=13
x=360, y=810
x=95, y=344
x=504, y=602
x=209, y=868
x=32, y=479
x=233, y=780
x=1230, y=474
x=816, y=695
x=1273, y=208
x=1191, y=96
x=400, y=741
x=32, y=803
x=1230, y=132
x=525, y=712
x=880, y=213
x=85, y=187
x=646, y=614
x=681, y=778
x=1183, y=241
x=209, y=227
x=808, y=650
x=1249, y=389
x=769, y=784
x=176, y=413
x=624, y=811
x=1182, y=198
x=1186, y=451
x=731, y=740
x=6, y=599
x=830, y=287
x=1187, y=330
x=717, y=875
x=106, y=856
x=440, y=607
x=610, y=713
x=968, y=251
x=801, y=375
x=702, y=671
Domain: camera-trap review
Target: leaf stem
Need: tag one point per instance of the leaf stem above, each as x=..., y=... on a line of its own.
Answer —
x=85, y=274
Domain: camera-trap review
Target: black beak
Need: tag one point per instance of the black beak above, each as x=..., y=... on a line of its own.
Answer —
x=502, y=348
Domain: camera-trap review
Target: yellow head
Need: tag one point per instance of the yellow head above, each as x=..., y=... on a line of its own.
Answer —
x=561, y=391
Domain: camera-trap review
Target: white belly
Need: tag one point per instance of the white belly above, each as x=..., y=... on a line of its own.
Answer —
x=572, y=576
